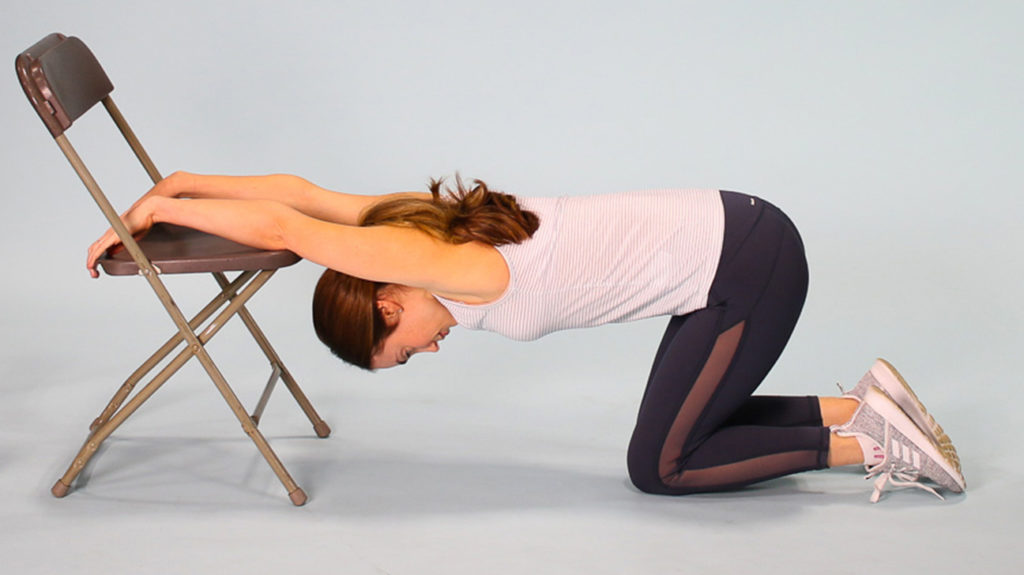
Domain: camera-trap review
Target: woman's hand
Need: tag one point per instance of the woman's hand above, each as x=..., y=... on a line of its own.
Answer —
x=138, y=219
x=170, y=187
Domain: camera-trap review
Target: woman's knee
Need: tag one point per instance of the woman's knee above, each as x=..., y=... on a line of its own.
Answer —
x=655, y=485
x=645, y=476
x=648, y=484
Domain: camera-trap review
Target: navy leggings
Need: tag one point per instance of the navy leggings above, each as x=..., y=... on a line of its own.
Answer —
x=699, y=429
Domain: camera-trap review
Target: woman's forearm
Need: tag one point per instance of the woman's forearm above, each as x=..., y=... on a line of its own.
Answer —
x=255, y=223
x=282, y=188
x=292, y=191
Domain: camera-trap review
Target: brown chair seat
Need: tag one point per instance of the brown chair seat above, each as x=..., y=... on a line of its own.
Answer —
x=179, y=250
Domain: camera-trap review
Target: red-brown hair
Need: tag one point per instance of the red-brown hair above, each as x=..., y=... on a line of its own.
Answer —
x=345, y=314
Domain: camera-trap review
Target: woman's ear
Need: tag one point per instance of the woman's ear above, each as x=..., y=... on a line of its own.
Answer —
x=390, y=309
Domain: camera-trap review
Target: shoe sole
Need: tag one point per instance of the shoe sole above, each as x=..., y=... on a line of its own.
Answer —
x=894, y=415
x=889, y=379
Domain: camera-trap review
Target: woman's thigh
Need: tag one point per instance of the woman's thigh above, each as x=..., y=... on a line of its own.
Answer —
x=711, y=361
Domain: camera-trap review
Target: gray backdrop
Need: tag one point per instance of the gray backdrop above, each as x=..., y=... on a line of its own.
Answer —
x=889, y=131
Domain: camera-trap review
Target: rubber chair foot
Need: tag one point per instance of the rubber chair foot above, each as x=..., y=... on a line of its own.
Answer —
x=321, y=429
x=60, y=489
x=298, y=497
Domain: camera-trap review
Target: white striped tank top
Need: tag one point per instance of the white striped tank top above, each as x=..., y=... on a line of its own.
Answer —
x=605, y=259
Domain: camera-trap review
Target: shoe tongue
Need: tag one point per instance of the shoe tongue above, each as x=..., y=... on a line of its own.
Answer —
x=873, y=452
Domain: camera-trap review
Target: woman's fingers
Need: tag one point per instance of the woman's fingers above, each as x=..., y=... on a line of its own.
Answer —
x=137, y=220
x=91, y=257
x=97, y=249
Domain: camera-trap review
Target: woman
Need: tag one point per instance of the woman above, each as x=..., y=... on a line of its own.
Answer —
x=729, y=269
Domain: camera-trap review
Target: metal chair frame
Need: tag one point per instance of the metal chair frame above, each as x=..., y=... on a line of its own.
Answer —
x=63, y=80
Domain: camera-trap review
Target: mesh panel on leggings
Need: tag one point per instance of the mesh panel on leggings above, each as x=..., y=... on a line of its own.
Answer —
x=710, y=376
x=680, y=463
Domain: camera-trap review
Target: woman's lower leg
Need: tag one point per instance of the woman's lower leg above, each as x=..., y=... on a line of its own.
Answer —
x=836, y=410
x=844, y=451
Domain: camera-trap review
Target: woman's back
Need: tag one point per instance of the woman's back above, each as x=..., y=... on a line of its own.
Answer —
x=605, y=259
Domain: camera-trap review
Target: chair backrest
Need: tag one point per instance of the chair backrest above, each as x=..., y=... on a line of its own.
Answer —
x=62, y=80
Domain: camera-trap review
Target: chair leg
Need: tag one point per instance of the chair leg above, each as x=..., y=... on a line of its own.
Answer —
x=196, y=343
x=295, y=493
x=194, y=347
x=228, y=291
x=96, y=438
x=319, y=425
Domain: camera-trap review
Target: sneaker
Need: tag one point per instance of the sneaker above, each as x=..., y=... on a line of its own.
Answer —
x=885, y=377
x=910, y=455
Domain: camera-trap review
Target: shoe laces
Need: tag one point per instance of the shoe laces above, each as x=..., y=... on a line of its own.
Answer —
x=895, y=471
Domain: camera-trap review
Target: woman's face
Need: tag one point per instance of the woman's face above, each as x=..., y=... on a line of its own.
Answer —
x=421, y=323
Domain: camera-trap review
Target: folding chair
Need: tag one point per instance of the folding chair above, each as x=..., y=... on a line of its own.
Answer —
x=63, y=80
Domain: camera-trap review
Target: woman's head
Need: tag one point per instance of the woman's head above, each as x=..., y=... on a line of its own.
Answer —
x=362, y=321
x=375, y=326
x=346, y=317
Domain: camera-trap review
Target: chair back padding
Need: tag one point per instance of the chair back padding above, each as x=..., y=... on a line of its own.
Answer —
x=62, y=79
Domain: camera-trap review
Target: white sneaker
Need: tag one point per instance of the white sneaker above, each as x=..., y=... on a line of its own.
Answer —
x=910, y=455
x=885, y=377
